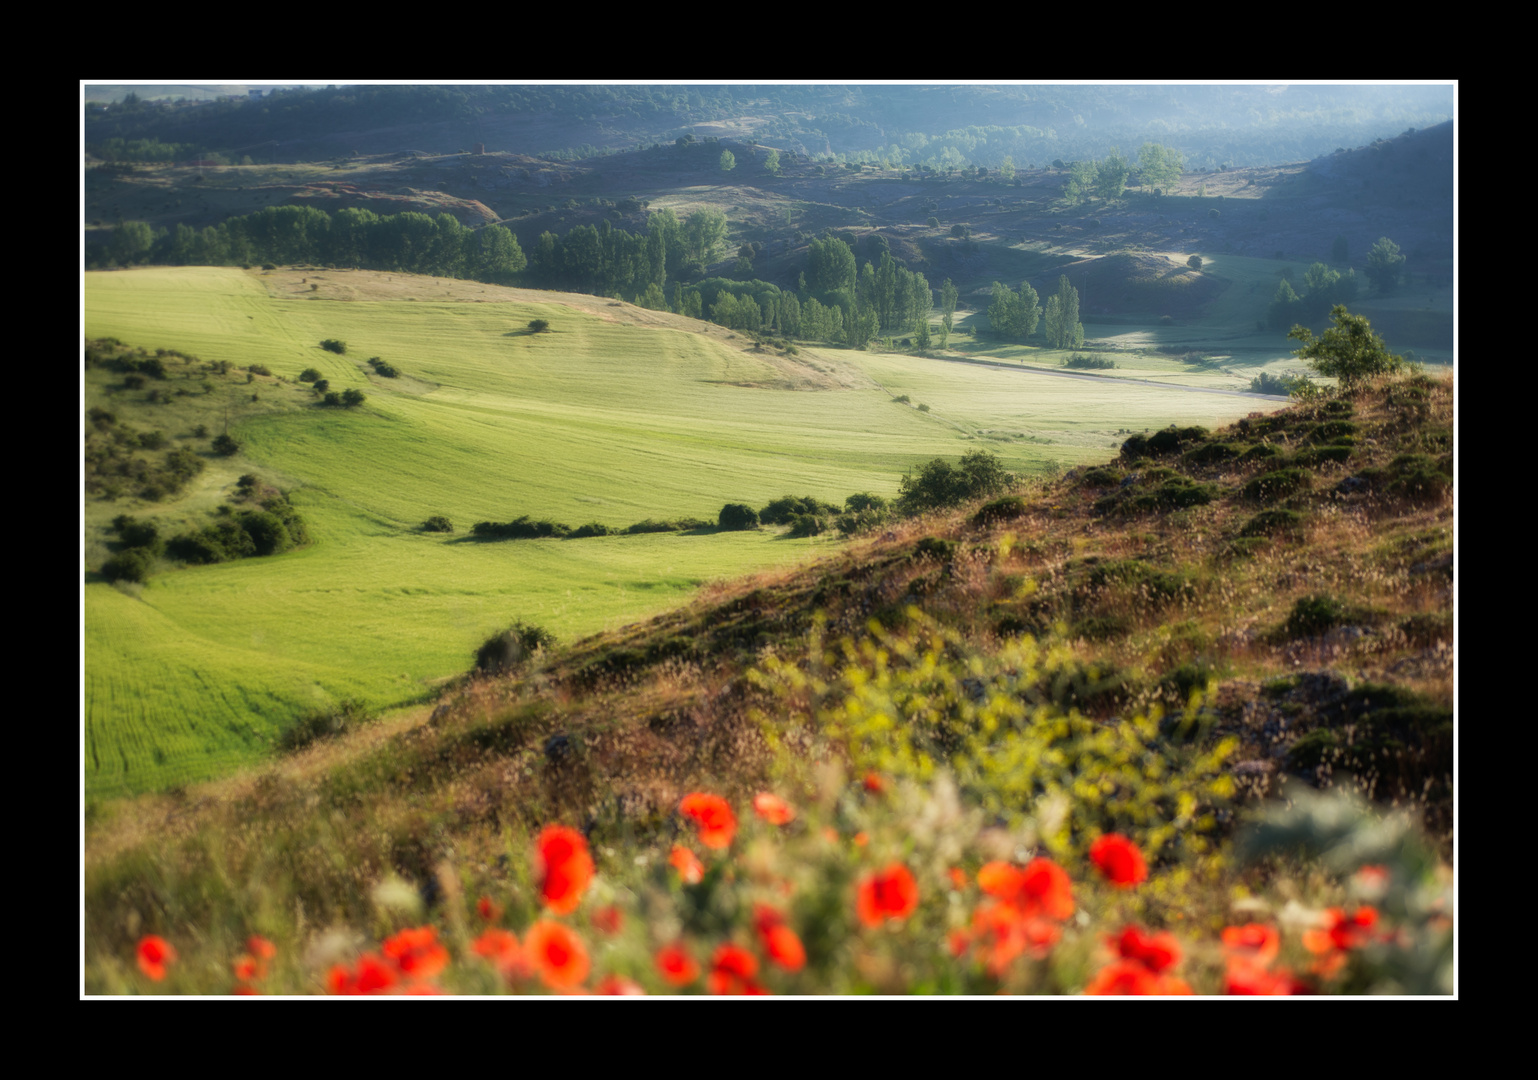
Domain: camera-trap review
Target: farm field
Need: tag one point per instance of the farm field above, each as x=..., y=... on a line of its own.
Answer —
x=606, y=418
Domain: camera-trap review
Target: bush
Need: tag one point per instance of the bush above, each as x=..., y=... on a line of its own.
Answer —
x=1005, y=509
x=864, y=500
x=1080, y=361
x=510, y=648
x=1268, y=522
x=322, y=385
x=539, y=326
x=1194, y=262
x=351, y=399
x=786, y=508
x=260, y=369
x=134, y=564
x=938, y=484
x=333, y=345
x=225, y=446
x=1313, y=615
x=736, y=517
x=802, y=525
x=323, y=724
x=1273, y=486
x=309, y=374
x=1348, y=351
x=521, y=529
x=438, y=523
x=383, y=369
x=592, y=528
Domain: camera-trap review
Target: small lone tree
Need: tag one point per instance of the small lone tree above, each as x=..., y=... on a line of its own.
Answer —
x=1384, y=265
x=1194, y=262
x=539, y=326
x=1348, y=351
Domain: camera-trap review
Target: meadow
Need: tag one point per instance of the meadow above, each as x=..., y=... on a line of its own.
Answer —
x=607, y=418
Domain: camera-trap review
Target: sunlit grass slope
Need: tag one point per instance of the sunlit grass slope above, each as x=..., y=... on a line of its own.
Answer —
x=596, y=420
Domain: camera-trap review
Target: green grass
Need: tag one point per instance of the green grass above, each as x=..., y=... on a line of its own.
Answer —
x=195, y=673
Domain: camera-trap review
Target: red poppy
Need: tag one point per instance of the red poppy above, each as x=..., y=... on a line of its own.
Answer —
x=958, y=878
x=676, y=966
x=1157, y=952
x=713, y=816
x=563, y=868
x=488, y=911
x=609, y=920
x=780, y=942
x=773, y=809
x=417, y=952
x=1119, y=860
x=1001, y=932
x=246, y=969
x=502, y=949
x=155, y=955
x=687, y=863
x=1341, y=932
x=1046, y=890
x=874, y=783
x=1248, y=979
x=1254, y=943
x=890, y=893
x=1002, y=880
x=731, y=971
x=619, y=986
x=1128, y=977
x=260, y=947
x=372, y=976
x=557, y=954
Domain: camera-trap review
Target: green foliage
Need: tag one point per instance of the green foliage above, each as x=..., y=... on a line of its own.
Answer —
x=1004, y=509
x=1194, y=262
x=1159, y=167
x=384, y=369
x=539, y=326
x=1348, y=351
x=728, y=161
x=438, y=523
x=351, y=399
x=937, y=484
x=772, y=162
x=1061, y=323
x=1080, y=361
x=735, y=517
x=1014, y=316
x=510, y=648
x=133, y=564
x=519, y=529
x=309, y=375
x=1274, y=486
x=333, y=345
x=318, y=724
x=783, y=510
x=1111, y=175
x=225, y=446
x=1385, y=265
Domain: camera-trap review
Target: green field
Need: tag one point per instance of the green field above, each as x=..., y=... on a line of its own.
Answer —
x=599, y=420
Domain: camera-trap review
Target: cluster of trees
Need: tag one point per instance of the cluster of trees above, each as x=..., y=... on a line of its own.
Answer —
x=1014, y=315
x=408, y=242
x=1323, y=288
x=260, y=521
x=612, y=262
x=1158, y=170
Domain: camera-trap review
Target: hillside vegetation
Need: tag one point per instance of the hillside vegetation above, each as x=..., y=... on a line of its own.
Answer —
x=613, y=417
x=956, y=718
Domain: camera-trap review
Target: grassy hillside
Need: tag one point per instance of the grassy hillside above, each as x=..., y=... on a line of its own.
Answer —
x=1129, y=656
x=614, y=416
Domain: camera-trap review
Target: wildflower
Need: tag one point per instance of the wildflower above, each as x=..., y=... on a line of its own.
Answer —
x=1129, y=977
x=713, y=816
x=890, y=893
x=731, y=971
x=609, y=920
x=676, y=966
x=958, y=878
x=1245, y=978
x=1341, y=932
x=372, y=976
x=488, y=911
x=773, y=809
x=1119, y=860
x=417, y=953
x=261, y=948
x=155, y=955
x=246, y=968
x=1046, y=890
x=874, y=784
x=687, y=863
x=556, y=954
x=780, y=942
x=503, y=950
x=861, y=838
x=1254, y=943
x=563, y=866
x=1157, y=952
x=1143, y=967
x=619, y=986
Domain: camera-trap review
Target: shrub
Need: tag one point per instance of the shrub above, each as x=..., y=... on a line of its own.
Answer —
x=353, y=398
x=133, y=564
x=802, y=525
x=1313, y=615
x=259, y=369
x=438, y=523
x=786, y=508
x=383, y=369
x=333, y=345
x=1272, y=486
x=323, y=724
x=309, y=374
x=922, y=407
x=539, y=326
x=1268, y=522
x=510, y=648
x=1095, y=363
x=858, y=521
x=225, y=446
x=332, y=400
x=1005, y=509
x=1168, y=441
x=1194, y=262
x=864, y=501
x=592, y=528
x=521, y=529
x=737, y=516
x=322, y=385
x=938, y=484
